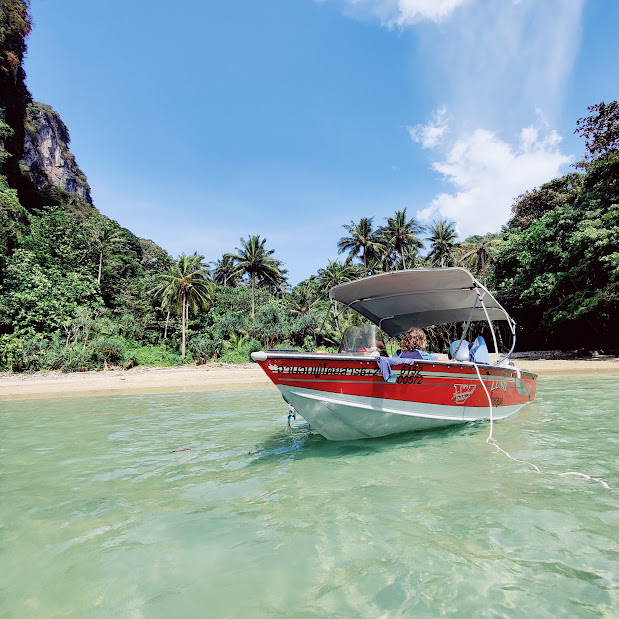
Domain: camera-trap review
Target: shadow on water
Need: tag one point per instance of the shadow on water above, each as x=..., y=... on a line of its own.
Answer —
x=301, y=442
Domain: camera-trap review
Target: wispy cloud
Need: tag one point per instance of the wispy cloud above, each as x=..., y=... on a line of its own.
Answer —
x=499, y=61
x=400, y=13
x=487, y=173
x=432, y=133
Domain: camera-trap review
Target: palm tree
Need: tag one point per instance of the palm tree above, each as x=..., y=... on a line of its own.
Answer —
x=105, y=237
x=336, y=273
x=185, y=284
x=479, y=254
x=362, y=239
x=255, y=260
x=442, y=236
x=303, y=298
x=400, y=235
x=225, y=272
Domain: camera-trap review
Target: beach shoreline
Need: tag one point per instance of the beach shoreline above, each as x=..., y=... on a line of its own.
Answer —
x=217, y=376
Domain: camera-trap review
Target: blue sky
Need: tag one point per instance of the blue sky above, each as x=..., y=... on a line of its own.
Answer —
x=198, y=122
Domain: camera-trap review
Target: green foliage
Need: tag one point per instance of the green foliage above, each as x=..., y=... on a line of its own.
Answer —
x=270, y=325
x=149, y=355
x=39, y=300
x=400, y=240
x=560, y=276
x=532, y=205
x=242, y=353
x=362, y=238
x=183, y=286
x=442, y=238
x=600, y=130
x=15, y=26
x=204, y=347
x=256, y=261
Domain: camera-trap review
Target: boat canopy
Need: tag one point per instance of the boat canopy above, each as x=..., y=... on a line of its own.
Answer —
x=399, y=300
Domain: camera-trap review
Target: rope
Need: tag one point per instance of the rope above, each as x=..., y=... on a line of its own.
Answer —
x=492, y=441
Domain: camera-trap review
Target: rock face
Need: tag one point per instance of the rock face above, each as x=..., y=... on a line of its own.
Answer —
x=47, y=159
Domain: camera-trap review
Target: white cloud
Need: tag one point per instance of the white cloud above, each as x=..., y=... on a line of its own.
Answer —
x=431, y=134
x=401, y=13
x=487, y=174
x=412, y=11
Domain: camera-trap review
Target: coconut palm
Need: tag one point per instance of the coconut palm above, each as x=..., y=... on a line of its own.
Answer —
x=185, y=284
x=363, y=239
x=480, y=254
x=225, y=272
x=105, y=237
x=303, y=298
x=400, y=236
x=254, y=260
x=336, y=273
x=442, y=238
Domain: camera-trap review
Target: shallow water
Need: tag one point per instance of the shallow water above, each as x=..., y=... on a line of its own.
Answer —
x=202, y=504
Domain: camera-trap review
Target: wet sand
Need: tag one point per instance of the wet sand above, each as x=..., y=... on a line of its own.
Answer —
x=219, y=376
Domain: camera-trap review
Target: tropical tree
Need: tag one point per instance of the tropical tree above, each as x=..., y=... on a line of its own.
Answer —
x=400, y=236
x=105, y=237
x=442, y=238
x=254, y=260
x=362, y=239
x=600, y=130
x=336, y=273
x=225, y=272
x=185, y=285
x=303, y=298
x=479, y=253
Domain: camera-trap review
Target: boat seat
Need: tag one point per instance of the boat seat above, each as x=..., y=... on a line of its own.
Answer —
x=463, y=352
x=479, y=351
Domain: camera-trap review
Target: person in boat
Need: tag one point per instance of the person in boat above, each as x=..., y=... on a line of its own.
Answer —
x=413, y=345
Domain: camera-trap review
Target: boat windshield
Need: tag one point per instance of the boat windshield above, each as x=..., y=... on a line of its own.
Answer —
x=363, y=339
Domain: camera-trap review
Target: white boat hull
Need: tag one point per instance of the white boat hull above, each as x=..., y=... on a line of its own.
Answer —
x=344, y=417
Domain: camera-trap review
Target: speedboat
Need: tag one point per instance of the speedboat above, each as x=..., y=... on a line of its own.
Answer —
x=359, y=393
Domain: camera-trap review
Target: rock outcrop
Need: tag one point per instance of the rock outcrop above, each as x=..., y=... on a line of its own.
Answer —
x=47, y=159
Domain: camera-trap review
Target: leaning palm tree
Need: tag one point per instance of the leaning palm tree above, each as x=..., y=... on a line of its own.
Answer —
x=400, y=235
x=254, y=260
x=185, y=284
x=362, y=239
x=442, y=238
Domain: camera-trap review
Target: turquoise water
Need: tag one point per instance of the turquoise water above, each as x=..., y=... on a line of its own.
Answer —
x=102, y=516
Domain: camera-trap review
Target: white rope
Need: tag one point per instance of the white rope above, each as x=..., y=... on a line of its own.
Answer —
x=492, y=441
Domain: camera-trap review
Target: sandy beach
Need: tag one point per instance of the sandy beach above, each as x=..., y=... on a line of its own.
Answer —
x=220, y=376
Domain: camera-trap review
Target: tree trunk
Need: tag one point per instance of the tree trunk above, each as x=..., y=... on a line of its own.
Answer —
x=253, y=294
x=165, y=330
x=100, y=267
x=403, y=261
x=183, y=325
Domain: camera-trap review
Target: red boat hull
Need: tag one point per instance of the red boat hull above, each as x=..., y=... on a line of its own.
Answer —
x=346, y=397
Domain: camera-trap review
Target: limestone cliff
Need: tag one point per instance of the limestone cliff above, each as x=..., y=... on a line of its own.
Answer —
x=46, y=158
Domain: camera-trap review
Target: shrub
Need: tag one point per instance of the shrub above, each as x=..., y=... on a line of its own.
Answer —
x=204, y=347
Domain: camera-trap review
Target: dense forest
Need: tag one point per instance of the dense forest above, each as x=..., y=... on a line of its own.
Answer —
x=78, y=291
